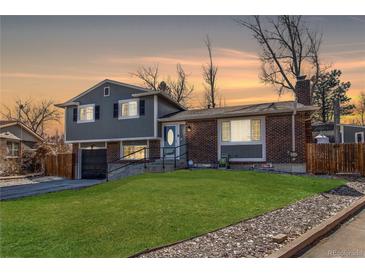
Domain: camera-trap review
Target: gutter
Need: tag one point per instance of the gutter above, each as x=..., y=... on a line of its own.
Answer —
x=257, y=113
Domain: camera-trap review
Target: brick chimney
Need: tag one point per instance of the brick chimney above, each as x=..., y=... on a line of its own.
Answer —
x=303, y=90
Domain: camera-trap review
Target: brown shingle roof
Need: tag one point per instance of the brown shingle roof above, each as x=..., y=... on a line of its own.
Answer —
x=234, y=111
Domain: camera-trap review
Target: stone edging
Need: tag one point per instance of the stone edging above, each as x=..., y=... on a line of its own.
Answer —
x=311, y=236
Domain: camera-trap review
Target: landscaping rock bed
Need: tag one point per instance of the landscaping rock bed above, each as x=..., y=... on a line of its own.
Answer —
x=255, y=237
x=26, y=181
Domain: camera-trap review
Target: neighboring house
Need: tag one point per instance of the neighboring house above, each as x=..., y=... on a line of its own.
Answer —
x=113, y=119
x=15, y=137
x=348, y=133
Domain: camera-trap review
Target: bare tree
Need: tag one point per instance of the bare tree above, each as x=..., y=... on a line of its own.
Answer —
x=209, y=75
x=34, y=115
x=180, y=89
x=288, y=47
x=149, y=76
x=360, y=109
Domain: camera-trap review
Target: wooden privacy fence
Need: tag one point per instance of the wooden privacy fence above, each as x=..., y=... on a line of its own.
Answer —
x=61, y=165
x=336, y=158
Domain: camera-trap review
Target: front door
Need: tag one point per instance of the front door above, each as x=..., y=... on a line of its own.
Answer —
x=170, y=141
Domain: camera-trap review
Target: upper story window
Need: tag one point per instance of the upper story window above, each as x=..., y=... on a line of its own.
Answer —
x=86, y=113
x=128, y=109
x=244, y=130
x=106, y=91
x=13, y=149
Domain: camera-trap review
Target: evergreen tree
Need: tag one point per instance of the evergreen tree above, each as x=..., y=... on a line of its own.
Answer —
x=162, y=86
x=328, y=89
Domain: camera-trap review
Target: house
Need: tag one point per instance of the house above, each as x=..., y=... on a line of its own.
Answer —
x=114, y=120
x=348, y=133
x=15, y=137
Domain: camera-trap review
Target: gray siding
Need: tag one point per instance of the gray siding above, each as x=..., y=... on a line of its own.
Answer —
x=108, y=127
x=165, y=107
x=242, y=151
x=19, y=132
x=349, y=133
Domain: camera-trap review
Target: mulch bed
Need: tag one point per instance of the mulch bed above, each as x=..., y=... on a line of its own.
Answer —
x=253, y=237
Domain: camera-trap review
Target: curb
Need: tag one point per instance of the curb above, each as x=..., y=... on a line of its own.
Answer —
x=311, y=236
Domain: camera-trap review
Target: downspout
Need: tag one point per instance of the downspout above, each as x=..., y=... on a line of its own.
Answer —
x=293, y=153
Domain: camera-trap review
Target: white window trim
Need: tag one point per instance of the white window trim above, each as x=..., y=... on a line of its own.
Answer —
x=11, y=156
x=261, y=142
x=155, y=115
x=94, y=148
x=120, y=102
x=78, y=114
x=233, y=143
x=362, y=137
x=107, y=87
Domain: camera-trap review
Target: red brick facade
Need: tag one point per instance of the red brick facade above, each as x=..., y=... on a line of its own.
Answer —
x=113, y=151
x=279, y=137
x=154, y=152
x=302, y=91
x=202, y=139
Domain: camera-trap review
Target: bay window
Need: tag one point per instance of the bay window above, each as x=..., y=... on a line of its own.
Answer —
x=241, y=130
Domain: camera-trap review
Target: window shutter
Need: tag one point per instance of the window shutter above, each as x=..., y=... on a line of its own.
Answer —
x=97, y=112
x=115, y=110
x=75, y=114
x=141, y=107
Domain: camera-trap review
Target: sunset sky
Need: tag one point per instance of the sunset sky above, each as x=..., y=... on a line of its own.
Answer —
x=58, y=57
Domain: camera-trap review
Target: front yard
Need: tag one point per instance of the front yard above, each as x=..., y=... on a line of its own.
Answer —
x=121, y=218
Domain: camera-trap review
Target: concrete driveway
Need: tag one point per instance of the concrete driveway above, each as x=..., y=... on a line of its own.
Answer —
x=347, y=242
x=19, y=191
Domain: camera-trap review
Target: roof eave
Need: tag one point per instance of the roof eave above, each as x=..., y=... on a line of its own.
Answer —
x=150, y=93
x=67, y=104
x=25, y=127
x=103, y=82
x=258, y=113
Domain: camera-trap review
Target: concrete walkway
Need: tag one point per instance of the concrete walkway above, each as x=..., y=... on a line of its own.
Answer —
x=347, y=242
x=19, y=191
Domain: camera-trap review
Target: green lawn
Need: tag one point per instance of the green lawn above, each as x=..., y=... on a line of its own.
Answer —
x=121, y=218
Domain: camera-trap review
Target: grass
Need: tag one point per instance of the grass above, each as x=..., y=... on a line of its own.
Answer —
x=121, y=218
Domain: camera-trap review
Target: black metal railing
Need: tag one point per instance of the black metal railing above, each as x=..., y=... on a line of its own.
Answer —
x=146, y=159
x=175, y=155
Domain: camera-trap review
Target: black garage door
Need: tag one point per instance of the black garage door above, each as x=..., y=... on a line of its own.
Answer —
x=93, y=164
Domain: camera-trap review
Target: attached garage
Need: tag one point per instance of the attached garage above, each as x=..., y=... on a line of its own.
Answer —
x=93, y=163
